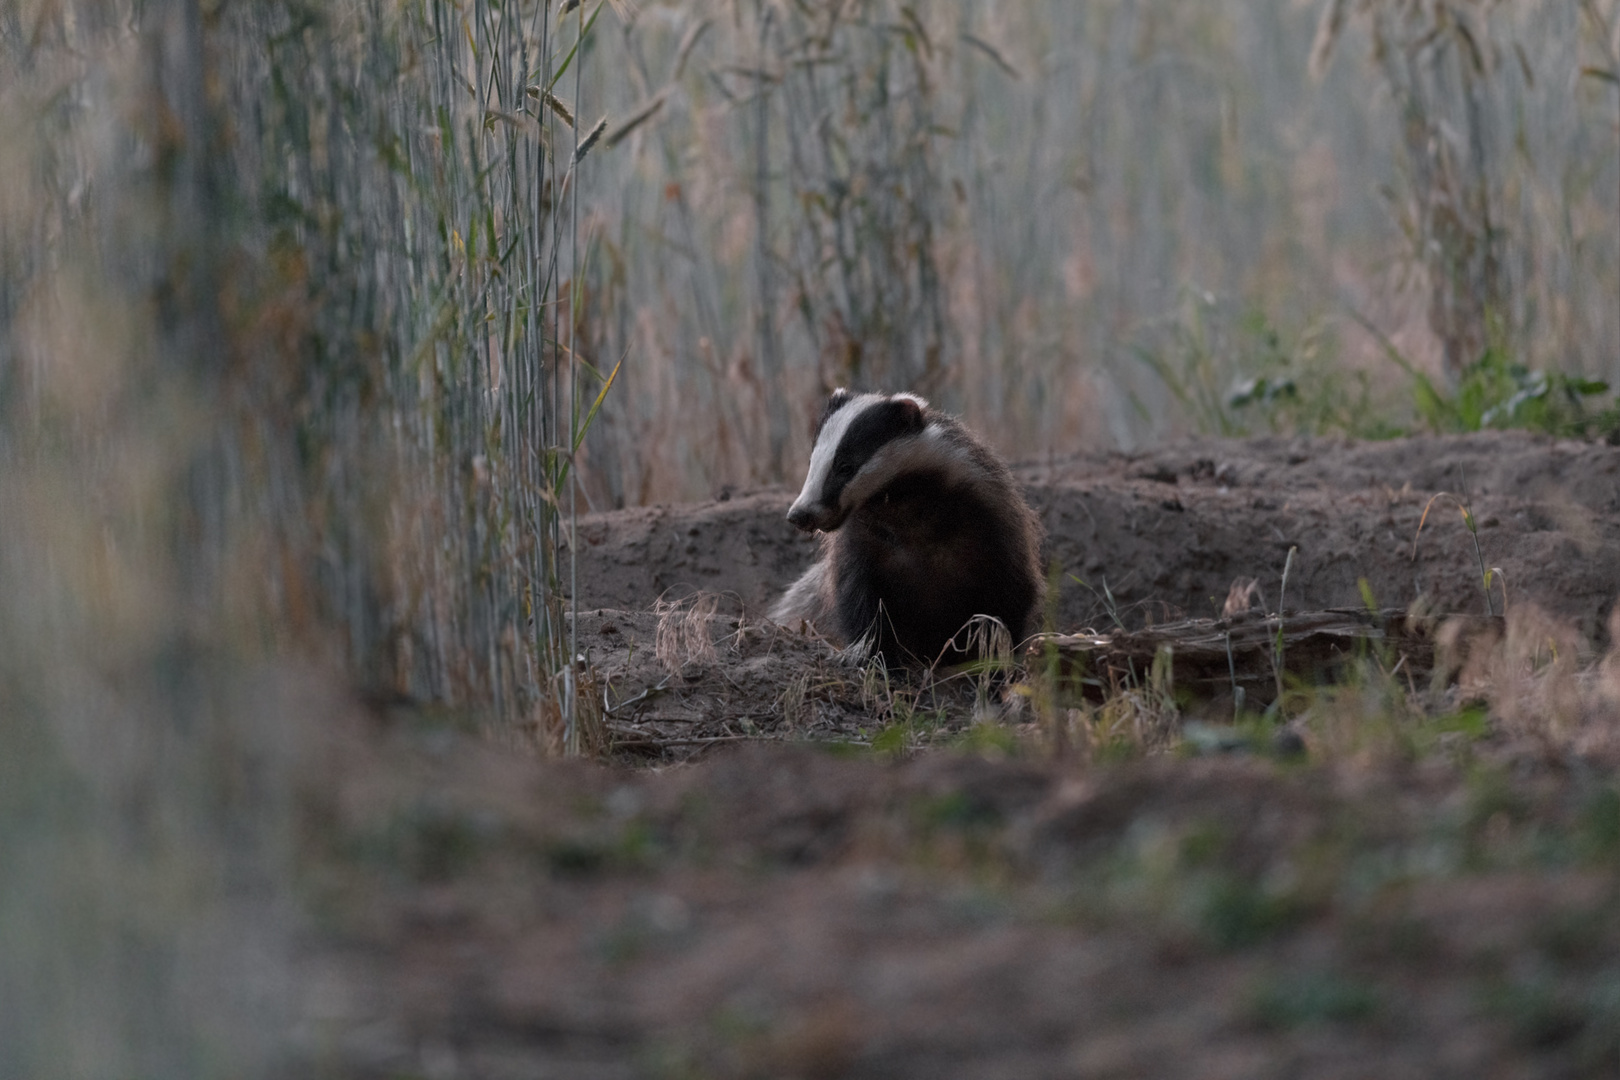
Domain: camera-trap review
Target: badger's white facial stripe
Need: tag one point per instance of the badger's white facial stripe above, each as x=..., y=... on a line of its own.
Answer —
x=821, y=457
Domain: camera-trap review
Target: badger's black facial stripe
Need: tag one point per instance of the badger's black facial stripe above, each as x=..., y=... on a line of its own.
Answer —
x=867, y=433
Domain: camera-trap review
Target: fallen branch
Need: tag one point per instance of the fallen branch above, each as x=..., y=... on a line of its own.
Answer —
x=1215, y=657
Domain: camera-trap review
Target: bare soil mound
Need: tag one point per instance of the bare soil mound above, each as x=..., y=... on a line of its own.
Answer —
x=1169, y=531
x=1137, y=541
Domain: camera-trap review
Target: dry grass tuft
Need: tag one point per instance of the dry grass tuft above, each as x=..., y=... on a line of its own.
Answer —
x=1138, y=716
x=795, y=705
x=1540, y=683
x=1366, y=719
x=1528, y=682
x=988, y=639
x=1142, y=716
x=685, y=632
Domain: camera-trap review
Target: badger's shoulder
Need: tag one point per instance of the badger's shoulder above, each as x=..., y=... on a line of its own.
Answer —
x=981, y=467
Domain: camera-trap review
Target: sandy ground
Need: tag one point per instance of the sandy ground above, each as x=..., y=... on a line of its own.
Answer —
x=764, y=874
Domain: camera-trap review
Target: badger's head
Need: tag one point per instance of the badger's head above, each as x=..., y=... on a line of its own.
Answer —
x=860, y=442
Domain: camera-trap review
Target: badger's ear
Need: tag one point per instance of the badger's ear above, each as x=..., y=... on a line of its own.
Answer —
x=840, y=397
x=910, y=408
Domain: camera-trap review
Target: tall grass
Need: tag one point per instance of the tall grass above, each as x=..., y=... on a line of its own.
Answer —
x=290, y=385
x=337, y=241
x=1010, y=207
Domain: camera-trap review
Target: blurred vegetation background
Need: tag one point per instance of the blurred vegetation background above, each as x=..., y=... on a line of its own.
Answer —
x=312, y=314
x=1097, y=225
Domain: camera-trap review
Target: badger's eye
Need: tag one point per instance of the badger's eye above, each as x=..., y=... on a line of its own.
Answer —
x=844, y=469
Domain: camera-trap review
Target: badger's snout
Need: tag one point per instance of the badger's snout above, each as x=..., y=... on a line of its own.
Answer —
x=813, y=516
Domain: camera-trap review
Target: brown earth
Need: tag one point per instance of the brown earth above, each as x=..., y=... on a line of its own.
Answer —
x=1426, y=893
x=1169, y=531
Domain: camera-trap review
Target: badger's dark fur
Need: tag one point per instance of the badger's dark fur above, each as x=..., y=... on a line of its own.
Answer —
x=924, y=529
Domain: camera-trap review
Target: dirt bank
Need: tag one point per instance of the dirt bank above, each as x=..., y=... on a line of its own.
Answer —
x=1169, y=531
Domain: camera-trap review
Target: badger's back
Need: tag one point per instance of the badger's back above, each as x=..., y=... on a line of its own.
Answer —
x=947, y=539
x=931, y=531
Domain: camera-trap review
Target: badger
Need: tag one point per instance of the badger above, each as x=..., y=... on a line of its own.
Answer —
x=923, y=529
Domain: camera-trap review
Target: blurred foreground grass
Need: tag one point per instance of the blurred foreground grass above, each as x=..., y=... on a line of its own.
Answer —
x=286, y=405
